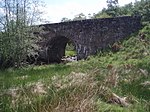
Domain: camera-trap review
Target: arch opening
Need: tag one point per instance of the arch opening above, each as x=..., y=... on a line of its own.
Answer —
x=70, y=52
x=60, y=49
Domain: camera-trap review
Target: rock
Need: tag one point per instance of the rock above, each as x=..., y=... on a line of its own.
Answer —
x=115, y=99
x=146, y=83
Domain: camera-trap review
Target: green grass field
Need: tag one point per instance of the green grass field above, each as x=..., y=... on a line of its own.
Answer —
x=109, y=82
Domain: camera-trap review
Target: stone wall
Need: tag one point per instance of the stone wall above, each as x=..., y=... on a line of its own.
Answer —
x=89, y=36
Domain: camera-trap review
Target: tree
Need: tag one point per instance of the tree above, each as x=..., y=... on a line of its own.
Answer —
x=65, y=19
x=80, y=16
x=139, y=8
x=101, y=14
x=113, y=8
x=127, y=9
x=142, y=8
x=112, y=3
x=15, y=36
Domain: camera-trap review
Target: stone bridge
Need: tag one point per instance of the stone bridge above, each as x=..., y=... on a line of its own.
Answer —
x=89, y=36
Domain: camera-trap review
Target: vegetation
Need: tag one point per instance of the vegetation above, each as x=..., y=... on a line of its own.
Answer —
x=70, y=50
x=70, y=53
x=139, y=8
x=115, y=80
x=16, y=39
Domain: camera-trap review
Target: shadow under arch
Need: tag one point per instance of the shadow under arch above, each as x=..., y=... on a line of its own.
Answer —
x=55, y=49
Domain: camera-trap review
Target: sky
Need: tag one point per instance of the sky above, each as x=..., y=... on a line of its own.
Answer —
x=55, y=10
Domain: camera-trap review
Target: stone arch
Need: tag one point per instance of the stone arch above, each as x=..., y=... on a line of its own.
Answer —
x=55, y=49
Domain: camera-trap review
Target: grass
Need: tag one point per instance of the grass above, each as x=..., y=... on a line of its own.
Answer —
x=84, y=86
x=70, y=53
x=14, y=77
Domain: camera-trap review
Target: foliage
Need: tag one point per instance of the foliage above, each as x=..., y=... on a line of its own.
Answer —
x=141, y=8
x=70, y=49
x=65, y=19
x=70, y=46
x=80, y=16
x=16, y=37
x=102, y=14
x=112, y=3
x=112, y=9
x=70, y=53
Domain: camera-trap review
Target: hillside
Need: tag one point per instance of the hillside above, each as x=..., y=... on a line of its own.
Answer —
x=116, y=80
